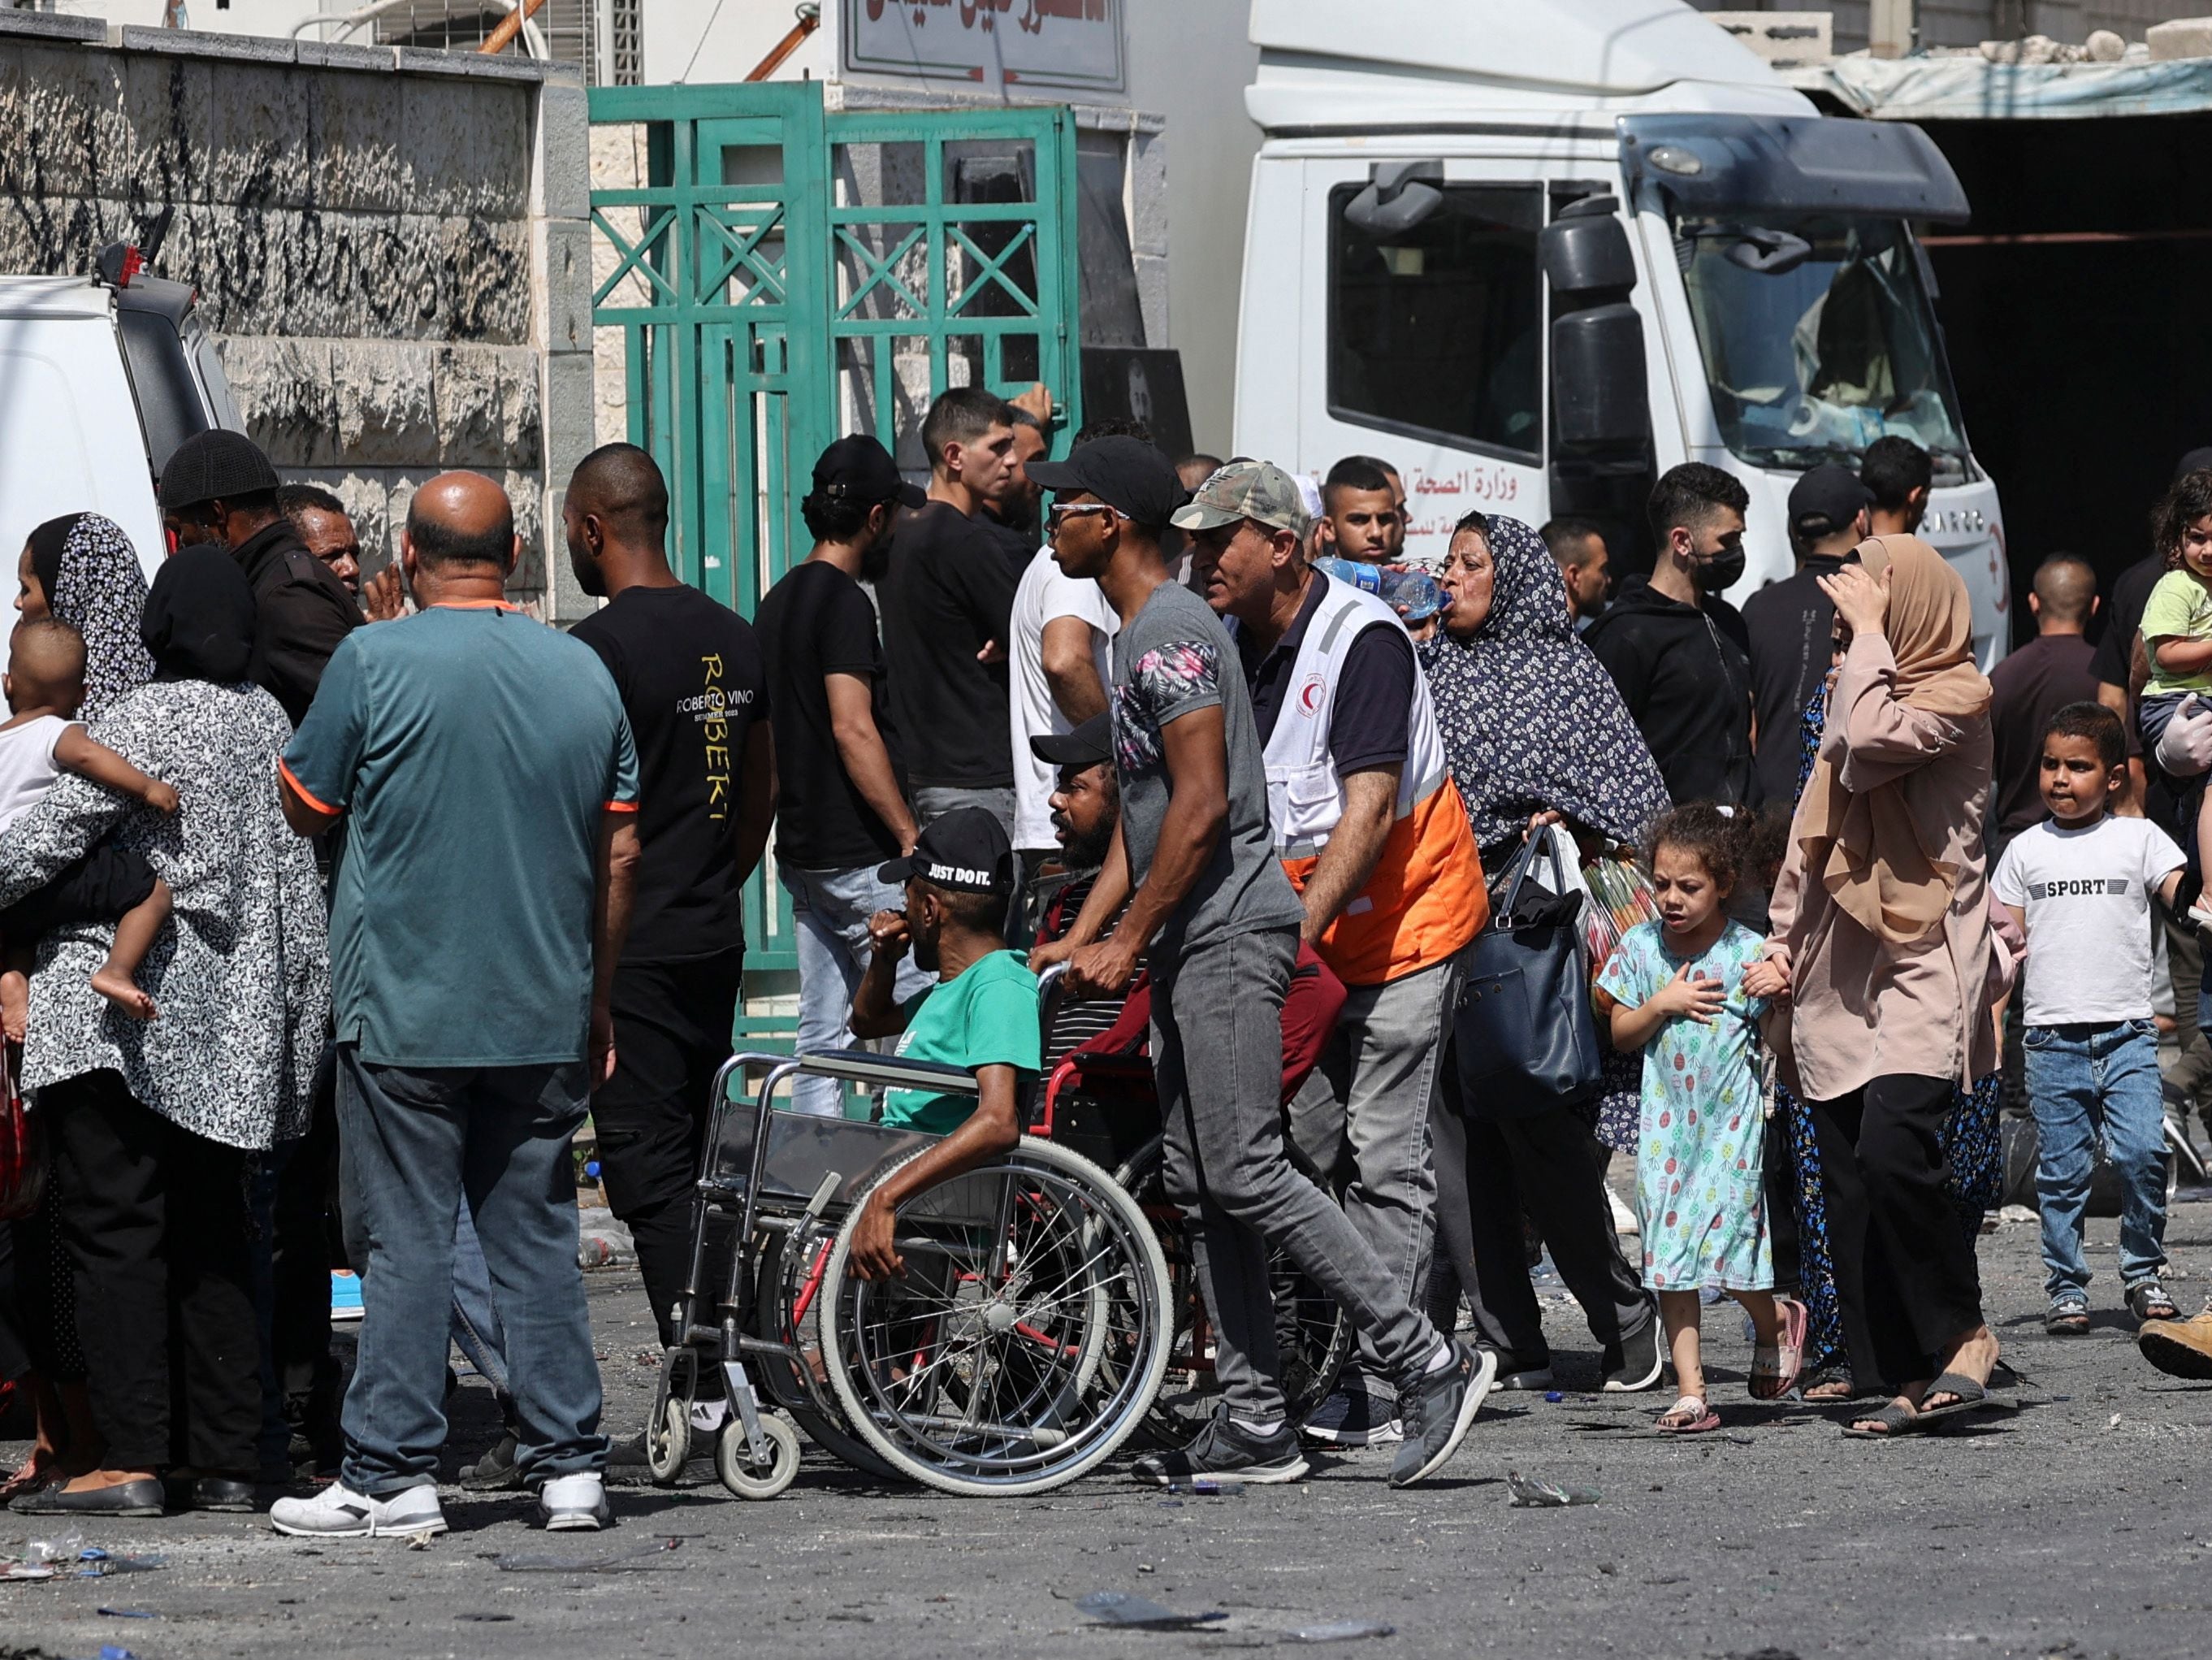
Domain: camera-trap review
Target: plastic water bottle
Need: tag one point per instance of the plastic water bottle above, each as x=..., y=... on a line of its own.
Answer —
x=1414, y=595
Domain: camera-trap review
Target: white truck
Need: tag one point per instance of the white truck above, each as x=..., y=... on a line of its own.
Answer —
x=102, y=377
x=1535, y=254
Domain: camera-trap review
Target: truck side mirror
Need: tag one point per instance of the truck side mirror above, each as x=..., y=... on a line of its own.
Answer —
x=1399, y=196
x=1598, y=388
x=1598, y=391
x=1585, y=250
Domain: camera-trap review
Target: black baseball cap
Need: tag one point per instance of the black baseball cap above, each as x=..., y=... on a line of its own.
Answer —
x=1826, y=500
x=966, y=850
x=1126, y=474
x=859, y=469
x=1090, y=744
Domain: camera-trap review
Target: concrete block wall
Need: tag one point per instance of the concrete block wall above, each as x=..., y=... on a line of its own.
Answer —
x=390, y=244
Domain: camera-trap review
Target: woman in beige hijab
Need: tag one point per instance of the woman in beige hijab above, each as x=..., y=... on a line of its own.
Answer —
x=1881, y=942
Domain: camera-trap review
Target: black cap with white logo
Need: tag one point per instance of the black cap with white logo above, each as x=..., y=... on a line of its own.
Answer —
x=967, y=851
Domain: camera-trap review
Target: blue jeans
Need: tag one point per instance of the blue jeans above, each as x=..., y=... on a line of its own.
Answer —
x=414, y=1144
x=831, y=909
x=475, y=1321
x=2082, y=1079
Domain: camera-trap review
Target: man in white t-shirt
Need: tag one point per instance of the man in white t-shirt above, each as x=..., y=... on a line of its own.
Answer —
x=1059, y=664
x=2081, y=883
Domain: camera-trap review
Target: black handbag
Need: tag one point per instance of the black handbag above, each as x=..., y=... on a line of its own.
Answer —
x=1526, y=1037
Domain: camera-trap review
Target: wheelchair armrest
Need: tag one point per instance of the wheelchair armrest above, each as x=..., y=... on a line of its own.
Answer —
x=866, y=1067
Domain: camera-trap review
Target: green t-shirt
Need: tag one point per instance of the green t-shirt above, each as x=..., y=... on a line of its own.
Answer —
x=2179, y=608
x=987, y=1016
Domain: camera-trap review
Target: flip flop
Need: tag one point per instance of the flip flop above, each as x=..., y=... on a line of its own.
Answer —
x=1789, y=1355
x=1973, y=1397
x=1704, y=1420
x=1896, y=1421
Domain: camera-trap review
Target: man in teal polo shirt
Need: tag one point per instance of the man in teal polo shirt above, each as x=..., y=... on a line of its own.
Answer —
x=486, y=775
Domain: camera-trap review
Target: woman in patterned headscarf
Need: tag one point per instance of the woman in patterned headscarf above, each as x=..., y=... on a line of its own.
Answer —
x=1532, y=724
x=152, y=1121
x=83, y=570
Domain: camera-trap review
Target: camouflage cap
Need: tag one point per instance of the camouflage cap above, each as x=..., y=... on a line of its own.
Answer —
x=1258, y=490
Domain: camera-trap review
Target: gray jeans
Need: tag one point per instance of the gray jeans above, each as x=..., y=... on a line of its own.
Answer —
x=413, y=1144
x=935, y=800
x=1218, y=1058
x=830, y=909
x=1362, y=1120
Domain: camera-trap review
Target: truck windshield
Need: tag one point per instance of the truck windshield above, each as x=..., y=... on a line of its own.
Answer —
x=1818, y=339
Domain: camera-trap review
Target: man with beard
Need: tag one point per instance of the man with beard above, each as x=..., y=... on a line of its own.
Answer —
x=1085, y=806
x=841, y=784
x=979, y=1012
x=692, y=683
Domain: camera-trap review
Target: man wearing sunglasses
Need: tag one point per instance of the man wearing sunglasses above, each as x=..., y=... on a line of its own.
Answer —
x=1677, y=650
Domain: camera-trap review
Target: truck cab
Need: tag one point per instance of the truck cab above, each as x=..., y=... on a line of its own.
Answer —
x=1535, y=255
x=105, y=376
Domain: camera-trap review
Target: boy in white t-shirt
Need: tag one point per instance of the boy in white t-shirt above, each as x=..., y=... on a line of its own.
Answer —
x=41, y=740
x=2081, y=883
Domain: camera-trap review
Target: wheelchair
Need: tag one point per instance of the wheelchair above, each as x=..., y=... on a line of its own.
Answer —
x=1025, y=1344
x=1049, y=1310
x=1105, y=1107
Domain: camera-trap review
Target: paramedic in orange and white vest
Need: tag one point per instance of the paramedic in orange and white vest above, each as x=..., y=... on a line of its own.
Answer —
x=1369, y=828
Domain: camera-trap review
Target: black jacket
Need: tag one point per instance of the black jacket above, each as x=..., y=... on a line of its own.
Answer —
x=302, y=612
x=1685, y=677
x=1789, y=623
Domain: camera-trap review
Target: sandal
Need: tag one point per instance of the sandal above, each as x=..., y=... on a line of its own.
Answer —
x=2147, y=1300
x=1894, y=1420
x=1830, y=1386
x=36, y=1472
x=2067, y=1316
x=1967, y=1397
x=1689, y=1415
x=1772, y=1379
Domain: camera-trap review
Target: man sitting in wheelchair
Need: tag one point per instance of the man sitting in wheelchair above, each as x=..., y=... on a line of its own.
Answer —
x=981, y=1014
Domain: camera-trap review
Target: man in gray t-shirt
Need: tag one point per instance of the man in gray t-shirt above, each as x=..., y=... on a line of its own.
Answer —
x=1194, y=862
x=1169, y=661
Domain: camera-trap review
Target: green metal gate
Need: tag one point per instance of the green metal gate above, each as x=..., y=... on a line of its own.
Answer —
x=782, y=274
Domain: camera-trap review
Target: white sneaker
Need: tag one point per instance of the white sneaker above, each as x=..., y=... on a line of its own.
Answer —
x=574, y=1504
x=338, y=1512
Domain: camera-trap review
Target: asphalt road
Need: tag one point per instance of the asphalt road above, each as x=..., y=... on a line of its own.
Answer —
x=2077, y=1528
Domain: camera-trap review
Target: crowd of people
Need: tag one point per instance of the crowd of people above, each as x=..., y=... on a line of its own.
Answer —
x=334, y=905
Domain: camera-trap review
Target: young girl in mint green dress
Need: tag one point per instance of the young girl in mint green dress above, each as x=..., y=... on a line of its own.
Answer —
x=1674, y=989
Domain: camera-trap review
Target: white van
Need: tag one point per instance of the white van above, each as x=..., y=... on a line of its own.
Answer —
x=100, y=379
x=1533, y=254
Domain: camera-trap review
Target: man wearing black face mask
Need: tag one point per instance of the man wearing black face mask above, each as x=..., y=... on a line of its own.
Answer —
x=1677, y=650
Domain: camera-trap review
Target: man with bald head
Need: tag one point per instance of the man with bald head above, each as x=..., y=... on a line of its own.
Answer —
x=2056, y=668
x=688, y=670
x=485, y=772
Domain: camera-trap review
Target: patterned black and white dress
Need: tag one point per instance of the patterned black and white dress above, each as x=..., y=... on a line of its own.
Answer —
x=241, y=975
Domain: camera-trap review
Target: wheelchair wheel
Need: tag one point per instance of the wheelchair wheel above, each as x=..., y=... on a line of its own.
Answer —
x=1026, y=1339
x=1314, y=1338
x=668, y=1429
x=776, y=1316
x=733, y=1458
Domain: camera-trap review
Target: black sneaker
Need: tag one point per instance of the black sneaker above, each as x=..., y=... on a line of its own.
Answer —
x=1516, y=1371
x=1355, y=1416
x=496, y=1471
x=1225, y=1451
x=1437, y=1407
x=1633, y=1365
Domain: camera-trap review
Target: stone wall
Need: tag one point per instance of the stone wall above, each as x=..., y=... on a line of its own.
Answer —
x=391, y=244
